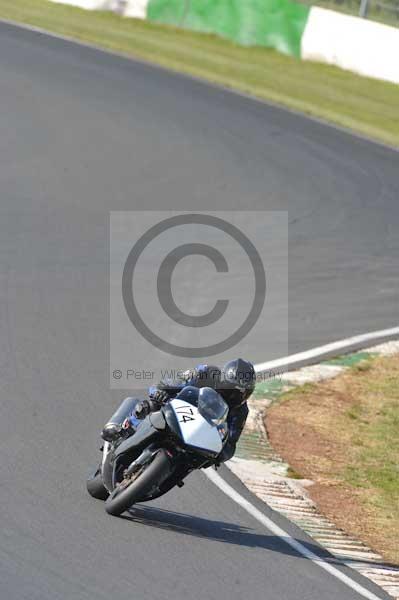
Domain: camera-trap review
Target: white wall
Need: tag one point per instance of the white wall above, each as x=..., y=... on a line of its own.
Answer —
x=359, y=45
x=136, y=8
x=131, y=8
x=88, y=4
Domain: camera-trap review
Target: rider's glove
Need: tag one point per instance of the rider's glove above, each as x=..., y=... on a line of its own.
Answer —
x=160, y=397
x=142, y=409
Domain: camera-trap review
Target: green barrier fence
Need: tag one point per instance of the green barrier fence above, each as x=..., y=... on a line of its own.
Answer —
x=276, y=24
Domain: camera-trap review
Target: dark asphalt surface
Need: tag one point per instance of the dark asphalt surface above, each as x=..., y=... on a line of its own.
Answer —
x=83, y=133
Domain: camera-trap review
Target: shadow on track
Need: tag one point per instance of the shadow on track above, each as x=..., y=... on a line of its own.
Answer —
x=229, y=533
x=221, y=531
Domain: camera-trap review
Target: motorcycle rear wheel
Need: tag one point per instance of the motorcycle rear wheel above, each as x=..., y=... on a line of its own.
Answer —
x=123, y=498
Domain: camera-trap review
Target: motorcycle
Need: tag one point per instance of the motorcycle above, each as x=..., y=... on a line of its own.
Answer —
x=186, y=434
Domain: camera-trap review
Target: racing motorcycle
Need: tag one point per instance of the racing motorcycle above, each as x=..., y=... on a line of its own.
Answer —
x=186, y=434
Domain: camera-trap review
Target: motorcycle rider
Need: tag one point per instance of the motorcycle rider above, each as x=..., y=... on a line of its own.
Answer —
x=235, y=382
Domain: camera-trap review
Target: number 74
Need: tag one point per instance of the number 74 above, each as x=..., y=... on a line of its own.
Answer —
x=185, y=413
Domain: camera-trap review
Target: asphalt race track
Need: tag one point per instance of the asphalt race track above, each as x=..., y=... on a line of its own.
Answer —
x=83, y=133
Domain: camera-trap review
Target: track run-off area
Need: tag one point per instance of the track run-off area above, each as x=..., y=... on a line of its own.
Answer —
x=84, y=133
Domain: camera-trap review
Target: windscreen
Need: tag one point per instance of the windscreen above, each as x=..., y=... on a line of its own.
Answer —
x=212, y=406
x=189, y=394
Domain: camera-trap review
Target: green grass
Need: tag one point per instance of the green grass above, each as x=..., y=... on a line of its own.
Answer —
x=270, y=388
x=376, y=465
x=363, y=365
x=297, y=391
x=364, y=105
x=352, y=432
x=292, y=474
x=350, y=360
x=376, y=413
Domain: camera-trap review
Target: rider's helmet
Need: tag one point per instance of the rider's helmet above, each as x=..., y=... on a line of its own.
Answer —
x=238, y=380
x=205, y=376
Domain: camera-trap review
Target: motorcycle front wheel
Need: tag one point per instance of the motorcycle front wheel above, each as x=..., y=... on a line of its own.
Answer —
x=126, y=494
x=95, y=486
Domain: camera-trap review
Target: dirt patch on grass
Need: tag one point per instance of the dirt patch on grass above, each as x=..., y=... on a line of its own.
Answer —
x=344, y=435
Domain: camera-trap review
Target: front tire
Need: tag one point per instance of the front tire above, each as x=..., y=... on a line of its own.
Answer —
x=121, y=500
x=95, y=486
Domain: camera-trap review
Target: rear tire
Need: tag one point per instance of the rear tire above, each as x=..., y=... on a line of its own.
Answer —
x=95, y=486
x=119, y=501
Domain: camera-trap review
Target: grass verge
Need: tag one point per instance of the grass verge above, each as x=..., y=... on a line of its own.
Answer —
x=364, y=105
x=344, y=435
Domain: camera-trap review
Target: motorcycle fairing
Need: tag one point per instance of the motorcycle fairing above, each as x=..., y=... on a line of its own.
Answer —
x=145, y=434
x=195, y=431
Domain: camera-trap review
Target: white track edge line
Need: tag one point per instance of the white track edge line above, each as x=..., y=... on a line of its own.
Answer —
x=357, y=341
x=284, y=536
